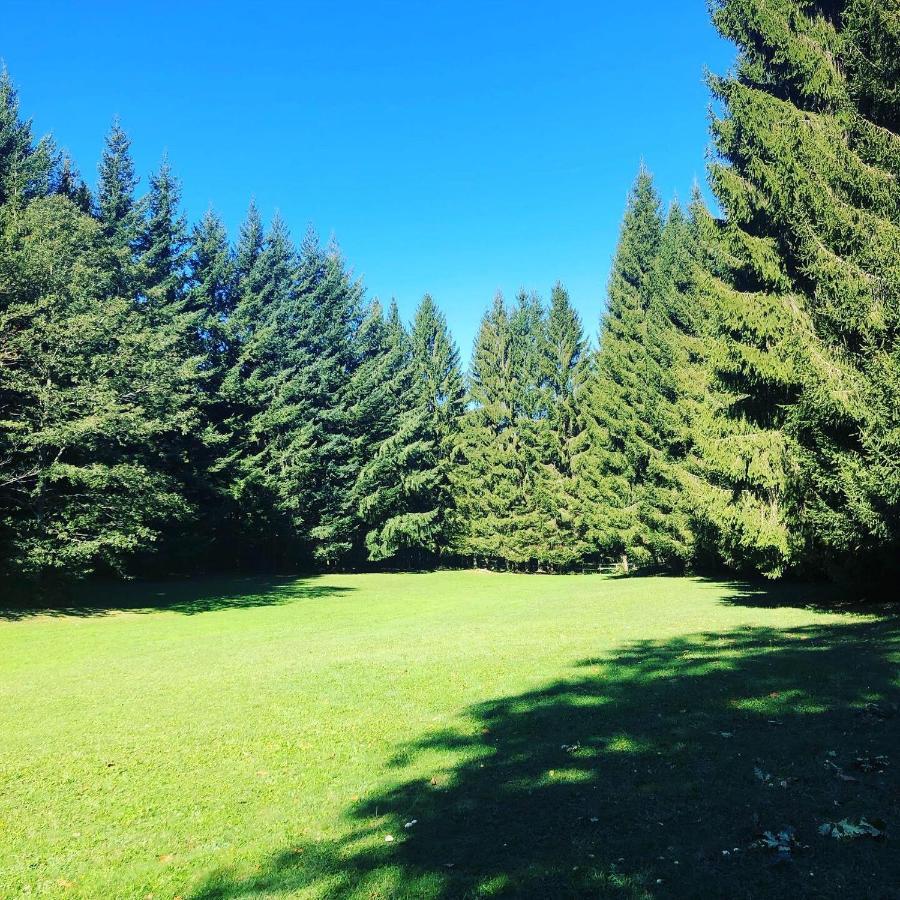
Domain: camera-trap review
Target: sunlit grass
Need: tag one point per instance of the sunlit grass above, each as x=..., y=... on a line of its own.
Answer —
x=275, y=738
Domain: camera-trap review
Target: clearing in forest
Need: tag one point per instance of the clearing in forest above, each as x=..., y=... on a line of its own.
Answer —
x=453, y=734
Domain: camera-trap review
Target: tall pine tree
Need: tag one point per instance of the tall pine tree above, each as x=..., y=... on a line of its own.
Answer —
x=490, y=477
x=808, y=181
x=405, y=489
x=270, y=429
x=613, y=453
x=27, y=167
x=564, y=358
x=116, y=183
x=331, y=303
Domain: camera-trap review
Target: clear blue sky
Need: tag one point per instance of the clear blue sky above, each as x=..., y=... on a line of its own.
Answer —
x=452, y=147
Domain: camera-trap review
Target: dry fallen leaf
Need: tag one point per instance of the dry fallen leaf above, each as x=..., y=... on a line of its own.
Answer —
x=845, y=829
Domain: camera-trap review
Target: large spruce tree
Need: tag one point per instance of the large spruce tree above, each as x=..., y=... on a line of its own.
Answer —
x=209, y=302
x=85, y=391
x=563, y=358
x=381, y=400
x=210, y=296
x=614, y=451
x=116, y=183
x=27, y=167
x=438, y=401
x=330, y=303
x=159, y=284
x=270, y=433
x=673, y=391
x=807, y=179
x=496, y=513
x=404, y=485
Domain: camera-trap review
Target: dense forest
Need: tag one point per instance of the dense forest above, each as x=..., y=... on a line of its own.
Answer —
x=171, y=401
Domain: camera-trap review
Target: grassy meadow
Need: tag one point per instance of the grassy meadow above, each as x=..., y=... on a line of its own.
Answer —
x=443, y=735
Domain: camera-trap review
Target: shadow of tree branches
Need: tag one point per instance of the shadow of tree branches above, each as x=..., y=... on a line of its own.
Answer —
x=185, y=595
x=649, y=773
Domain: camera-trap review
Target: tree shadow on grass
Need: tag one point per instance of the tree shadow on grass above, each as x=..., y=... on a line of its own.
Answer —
x=648, y=773
x=821, y=596
x=186, y=596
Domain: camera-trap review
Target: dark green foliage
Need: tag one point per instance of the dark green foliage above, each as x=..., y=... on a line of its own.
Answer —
x=488, y=476
x=157, y=278
x=665, y=537
x=331, y=308
x=26, y=167
x=163, y=245
x=413, y=392
x=674, y=395
x=438, y=401
x=84, y=401
x=503, y=438
x=516, y=490
x=208, y=305
x=270, y=434
x=70, y=185
x=116, y=184
x=211, y=294
x=162, y=390
x=293, y=329
x=380, y=397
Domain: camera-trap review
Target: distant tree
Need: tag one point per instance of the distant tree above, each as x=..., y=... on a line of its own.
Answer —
x=210, y=294
x=270, y=432
x=294, y=327
x=158, y=282
x=249, y=275
x=163, y=245
x=209, y=300
x=532, y=527
x=665, y=523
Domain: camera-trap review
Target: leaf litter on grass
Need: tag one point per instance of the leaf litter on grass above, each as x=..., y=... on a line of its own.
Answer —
x=770, y=780
x=869, y=764
x=783, y=844
x=847, y=830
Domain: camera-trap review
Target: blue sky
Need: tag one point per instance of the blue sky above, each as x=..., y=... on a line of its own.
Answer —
x=458, y=148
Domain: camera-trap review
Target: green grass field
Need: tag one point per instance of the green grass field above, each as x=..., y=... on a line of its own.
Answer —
x=455, y=734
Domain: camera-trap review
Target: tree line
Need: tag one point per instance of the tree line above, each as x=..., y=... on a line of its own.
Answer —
x=170, y=401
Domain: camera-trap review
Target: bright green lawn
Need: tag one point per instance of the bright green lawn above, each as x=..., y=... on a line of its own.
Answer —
x=551, y=736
